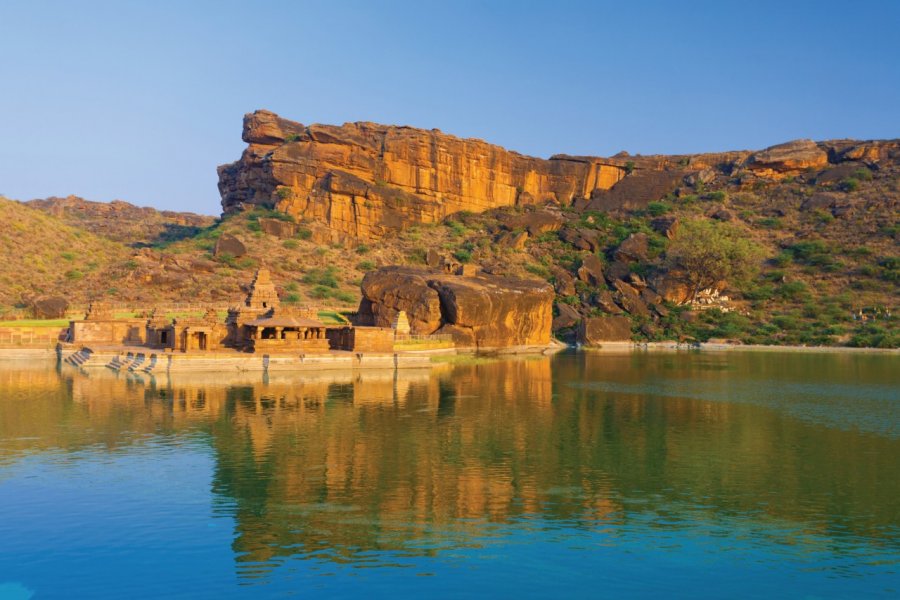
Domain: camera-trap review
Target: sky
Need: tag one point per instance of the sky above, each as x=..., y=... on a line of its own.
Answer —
x=140, y=101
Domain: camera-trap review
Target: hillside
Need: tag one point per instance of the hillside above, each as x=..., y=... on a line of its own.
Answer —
x=123, y=222
x=41, y=255
x=818, y=219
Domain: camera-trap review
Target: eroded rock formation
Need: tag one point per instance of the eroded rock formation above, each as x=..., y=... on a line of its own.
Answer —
x=479, y=311
x=363, y=180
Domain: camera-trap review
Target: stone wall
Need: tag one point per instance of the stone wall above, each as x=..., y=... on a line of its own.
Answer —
x=38, y=337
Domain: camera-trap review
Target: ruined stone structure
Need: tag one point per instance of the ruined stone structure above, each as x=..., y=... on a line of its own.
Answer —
x=100, y=327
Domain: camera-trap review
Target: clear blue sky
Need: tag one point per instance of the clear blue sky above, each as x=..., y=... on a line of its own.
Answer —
x=141, y=100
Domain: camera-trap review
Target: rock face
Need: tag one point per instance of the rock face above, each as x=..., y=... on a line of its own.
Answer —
x=480, y=311
x=364, y=180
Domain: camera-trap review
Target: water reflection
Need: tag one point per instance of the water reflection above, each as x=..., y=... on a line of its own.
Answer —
x=369, y=469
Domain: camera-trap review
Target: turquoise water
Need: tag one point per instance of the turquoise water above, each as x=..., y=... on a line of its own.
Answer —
x=584, y=475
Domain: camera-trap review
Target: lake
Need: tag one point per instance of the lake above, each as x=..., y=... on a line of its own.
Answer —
x=732, y=474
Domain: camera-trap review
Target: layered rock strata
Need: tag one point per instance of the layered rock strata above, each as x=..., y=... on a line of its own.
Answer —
x=363, y=180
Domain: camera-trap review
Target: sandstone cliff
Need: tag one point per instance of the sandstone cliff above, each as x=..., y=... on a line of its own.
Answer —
x=362, y=180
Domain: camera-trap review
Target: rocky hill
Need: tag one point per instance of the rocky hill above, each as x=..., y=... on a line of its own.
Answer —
x=123, y=222
x=322, y=206
x=41, y=255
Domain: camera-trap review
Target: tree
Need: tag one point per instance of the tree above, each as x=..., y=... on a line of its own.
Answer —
x=709, y=252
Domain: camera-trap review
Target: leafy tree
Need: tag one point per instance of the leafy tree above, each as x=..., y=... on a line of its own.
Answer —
x=709, y=252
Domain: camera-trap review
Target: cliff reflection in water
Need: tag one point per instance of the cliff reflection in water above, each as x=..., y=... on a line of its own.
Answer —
x=340, y=466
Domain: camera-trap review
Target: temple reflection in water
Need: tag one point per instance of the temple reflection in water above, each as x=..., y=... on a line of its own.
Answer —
x=336, y=465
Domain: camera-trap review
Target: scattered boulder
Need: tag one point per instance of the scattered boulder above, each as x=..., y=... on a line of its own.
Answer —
x=512, y=239
x=591, y=270
x=433, y=258
x=819, y=201
x=582, y=238
x=667, y=226
x=703, y=176
x=722, y=214
x=229, y=244
x=277, y=227
x=630, y=299
x=673, y=287
x=794, y=156
x=617, y=270
x=596, y=330
x=534, y=222
x=633, y=249
x=564, y=283
x=567, y=317
x=51, y=307
x=604, y=300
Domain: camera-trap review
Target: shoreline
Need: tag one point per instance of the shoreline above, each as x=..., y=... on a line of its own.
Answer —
x=619, y=347
x=115, y=358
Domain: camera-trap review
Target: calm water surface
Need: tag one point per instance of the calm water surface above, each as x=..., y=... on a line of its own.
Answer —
x=584, y=475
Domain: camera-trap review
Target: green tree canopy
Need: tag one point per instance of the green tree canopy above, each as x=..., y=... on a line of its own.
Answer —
x=709, y=252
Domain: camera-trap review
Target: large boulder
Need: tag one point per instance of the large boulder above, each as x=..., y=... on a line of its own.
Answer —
x=633, y=249
x=52, y=307
x=596, y=330
x=790, y=157
x=480, y=310
x=277, y=227
x=389, y=290
x=591, y=270
x=230, y=245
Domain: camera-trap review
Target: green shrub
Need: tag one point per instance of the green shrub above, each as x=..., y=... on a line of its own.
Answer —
x=463, y=255
x=74, y=275
x=659, y=208
x=69, y=256
x=862, y=174
x=303, y=233
x=283, y=192
x=769, y=223
x=290, y=244
x=456, y=228
x=362, y=249
x=365, y=265
x=718, y=196
x=326, y=277
x=629, y=167
x=320, y=292
x=291, y=299
x=344, y=296
x=850, y=184
x=793, y=290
